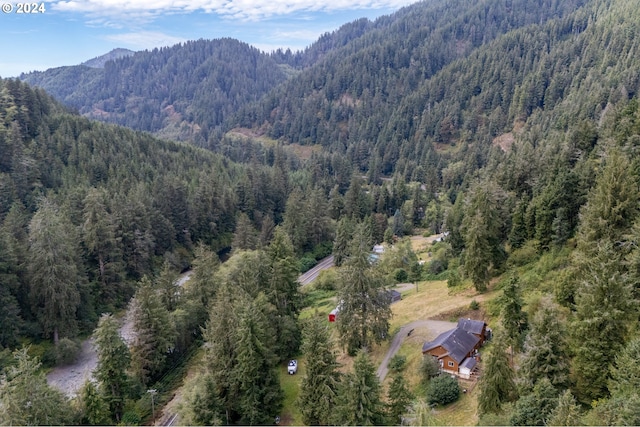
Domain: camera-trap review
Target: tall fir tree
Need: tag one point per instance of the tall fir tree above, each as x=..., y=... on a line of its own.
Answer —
x=399, y=398
x=497, y=385
x=259, y=393
x=611, y=206
x=200, y=406
x=114, y=360
x=221, y=351
x=167, y=284
x=283, y=293
x=546, y=351
x=344, y=233
x=625, y=373
x=55, y=276
x=477, y=258
x=567, y=411
x=245, y=236
x=359, y=396
x=202, y=285
x=514, y=320
x=535, y=408
x=604, y=309
x=364, y=303
x=99, y=236
x=95, y=411
x=484, y=227
x=26, y=397
x=154, y=333
x=318, y=388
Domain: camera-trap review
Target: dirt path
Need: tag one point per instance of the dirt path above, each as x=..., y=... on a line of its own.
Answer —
x=435, y=327
x=70, y=378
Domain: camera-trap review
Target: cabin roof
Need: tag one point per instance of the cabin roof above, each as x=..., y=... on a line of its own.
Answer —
x=473, y=326
x=457, y=342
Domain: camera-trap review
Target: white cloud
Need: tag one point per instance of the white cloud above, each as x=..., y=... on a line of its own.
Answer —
x=247, y=10
x=145, y=39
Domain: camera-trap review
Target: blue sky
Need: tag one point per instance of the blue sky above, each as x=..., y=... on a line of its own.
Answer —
x=72, y=31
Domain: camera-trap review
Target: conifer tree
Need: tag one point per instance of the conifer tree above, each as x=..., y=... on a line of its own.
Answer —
x=421, y=414
x=625, y=374
x=113, y=362
x=497, y=384
x=27, y=399
x=546, y=352
x=200, y=406
x=244, y=236
x=359, y=401
x=202, y=284
x=283, y=293
x=477, y=252
x=604, y=308
x=356, y=203
x=514, y=320
x=99, y=236
x=536, y=407
x=95, y=410
x=296, y=220
x=319, y=225
x=154, y=333
x=221, y=350
x=399, y=398
x=10, y=316
x=364, y=304
x=567, y=412
x=453, y=223
x=54, y=273
x=319, y=385
x=259, y=393
x=344, y=233
x=167, y=284
x=611, y=206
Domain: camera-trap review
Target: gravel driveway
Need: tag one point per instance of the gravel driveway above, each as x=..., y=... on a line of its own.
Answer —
x=70, y=378
x=435, y=328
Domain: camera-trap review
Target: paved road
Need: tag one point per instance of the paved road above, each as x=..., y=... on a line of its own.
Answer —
x=436, y=327
x=312, y=274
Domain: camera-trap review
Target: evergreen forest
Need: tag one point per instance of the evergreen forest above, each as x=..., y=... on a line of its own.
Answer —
x=512, y=126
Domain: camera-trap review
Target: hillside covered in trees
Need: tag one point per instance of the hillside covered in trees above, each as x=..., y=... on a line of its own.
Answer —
x=511, y=124
x=179, y=92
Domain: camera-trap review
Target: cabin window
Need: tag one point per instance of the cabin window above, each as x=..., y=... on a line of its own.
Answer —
x=450, y=363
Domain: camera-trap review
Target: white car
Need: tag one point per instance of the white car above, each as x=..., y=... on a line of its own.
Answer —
x=293, y=367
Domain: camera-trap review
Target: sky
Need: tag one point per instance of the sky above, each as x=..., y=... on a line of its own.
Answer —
x=69, y=32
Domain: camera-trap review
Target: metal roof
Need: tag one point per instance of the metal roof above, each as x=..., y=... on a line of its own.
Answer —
x=469, y=363
x=473, y=326
x=457, y=342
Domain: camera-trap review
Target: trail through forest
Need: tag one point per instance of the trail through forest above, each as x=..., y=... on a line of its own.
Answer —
x=70, y=378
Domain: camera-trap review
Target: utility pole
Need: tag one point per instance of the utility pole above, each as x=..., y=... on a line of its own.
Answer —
x=153, y=392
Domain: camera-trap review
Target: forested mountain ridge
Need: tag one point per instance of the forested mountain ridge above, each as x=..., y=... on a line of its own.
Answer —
x=390, y=56
x=117, y=203
x=179, y=92
x=99, y=61
x=395, y=100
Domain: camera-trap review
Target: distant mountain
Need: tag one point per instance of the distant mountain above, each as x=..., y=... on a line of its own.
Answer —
x=381, y=91
x=393, y=94
x=179, y=92
x=99, y=61
x=437, y=82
